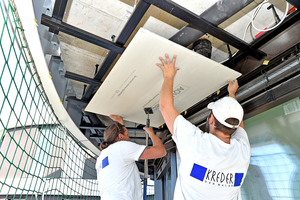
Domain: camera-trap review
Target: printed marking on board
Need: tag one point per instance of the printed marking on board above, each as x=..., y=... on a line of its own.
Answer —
x=177, y=91
x=118, y=92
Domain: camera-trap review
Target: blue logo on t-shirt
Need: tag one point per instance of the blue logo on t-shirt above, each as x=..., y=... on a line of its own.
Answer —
x=213, y=177
x=238, y=179
x=198, y=172
x=105, y=162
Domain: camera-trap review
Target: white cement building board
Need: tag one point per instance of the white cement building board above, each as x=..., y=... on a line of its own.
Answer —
x=135, y=81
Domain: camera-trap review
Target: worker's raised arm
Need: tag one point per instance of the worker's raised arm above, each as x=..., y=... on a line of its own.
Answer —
x=158, y=150
x=117, y=118
x=233, y=86
x=166, y=104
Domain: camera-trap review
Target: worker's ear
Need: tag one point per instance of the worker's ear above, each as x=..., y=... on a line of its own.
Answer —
x=120, y=137
x=212, y=119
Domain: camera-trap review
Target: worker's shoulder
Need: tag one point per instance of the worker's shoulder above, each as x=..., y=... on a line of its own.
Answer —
x=241, y=135
x=127, y=144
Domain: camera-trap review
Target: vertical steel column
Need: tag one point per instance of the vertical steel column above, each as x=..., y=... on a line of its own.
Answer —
x=58, y=12
x=146, y=160
x=173, y=169
x=146, y=170
x=158, y=187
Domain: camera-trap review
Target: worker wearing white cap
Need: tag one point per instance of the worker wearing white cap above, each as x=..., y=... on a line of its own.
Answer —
x=213, y=163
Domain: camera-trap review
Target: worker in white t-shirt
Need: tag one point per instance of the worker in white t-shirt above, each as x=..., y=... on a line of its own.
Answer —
x=117, y=173
x=213, y=163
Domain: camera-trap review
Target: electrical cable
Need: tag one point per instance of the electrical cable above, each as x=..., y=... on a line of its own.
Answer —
x=251, y=23
x=258, y=8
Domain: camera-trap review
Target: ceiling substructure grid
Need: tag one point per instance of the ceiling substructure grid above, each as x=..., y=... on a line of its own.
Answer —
x=117, y=48
x=201, y=24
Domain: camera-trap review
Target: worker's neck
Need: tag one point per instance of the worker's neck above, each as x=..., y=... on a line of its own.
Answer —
x=222, y=136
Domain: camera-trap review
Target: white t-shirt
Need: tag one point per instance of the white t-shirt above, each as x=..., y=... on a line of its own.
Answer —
x=117, y=173
x=209, y=168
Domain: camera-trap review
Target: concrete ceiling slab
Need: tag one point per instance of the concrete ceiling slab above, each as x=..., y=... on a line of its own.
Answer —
x=161, y=16
x=196, y=6
x=241, y=20
x=101, y=17
x=80, y=57
x=237, y=24
x=160, y=28
x=131, y=2
x=104, y=18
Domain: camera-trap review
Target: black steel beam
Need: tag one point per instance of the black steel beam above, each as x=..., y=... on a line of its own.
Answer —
x=56, y=58
x=242, y=81
x=295, y=3
x=81, y=34
x=135, y=18
x=130, y=129
x=94, y=120
x=89, y=93
x=280, y=90
x=107, y=63
x=81, y=78
x=273, y=63
x=206, y=27
x=73, y=99
x=268, y=95
x=266, y=37
x=58, y=11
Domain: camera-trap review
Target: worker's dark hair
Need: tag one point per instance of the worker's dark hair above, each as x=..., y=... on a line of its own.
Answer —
x=225, y=129
x=111, y=134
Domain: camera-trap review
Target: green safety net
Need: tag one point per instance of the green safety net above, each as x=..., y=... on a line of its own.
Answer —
x=39, y=157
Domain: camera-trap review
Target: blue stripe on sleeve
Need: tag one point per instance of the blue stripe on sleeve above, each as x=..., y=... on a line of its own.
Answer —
x=105, y=162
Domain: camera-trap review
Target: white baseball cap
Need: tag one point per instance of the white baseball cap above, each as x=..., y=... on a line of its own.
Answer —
x=225, y=108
